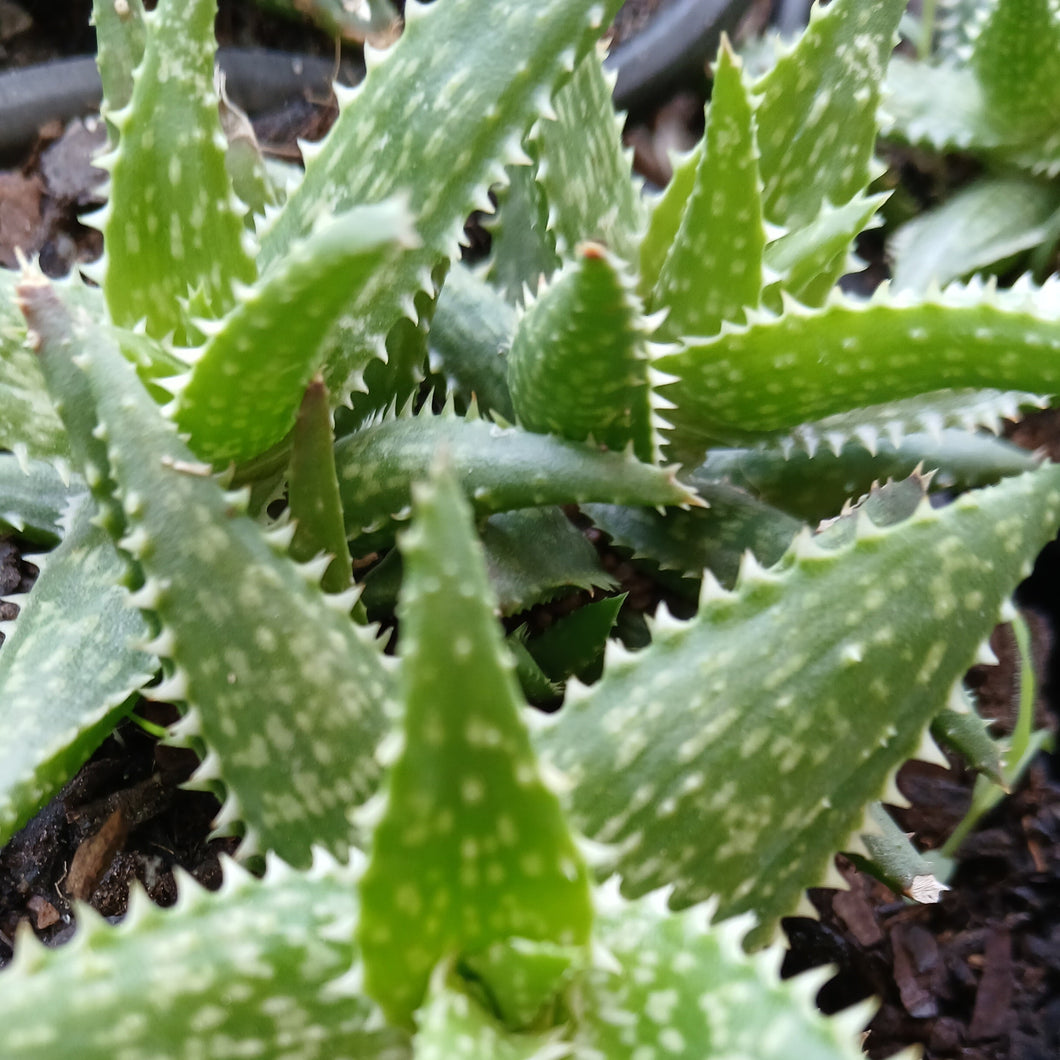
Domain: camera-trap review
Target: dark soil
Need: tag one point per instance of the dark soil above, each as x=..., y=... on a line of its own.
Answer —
x=974, y=977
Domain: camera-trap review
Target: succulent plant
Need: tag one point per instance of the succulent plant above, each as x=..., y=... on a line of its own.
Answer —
x=448, y=871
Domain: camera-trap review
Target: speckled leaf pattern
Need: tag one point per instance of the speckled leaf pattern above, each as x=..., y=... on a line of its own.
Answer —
x=286, y=693
x=172, y=227
x=57, y=702
x=500, y=468
x=251, y=970
x=34, y=498
x=245, y=384
x=472, y=847
x=584, y=169
x=930, y=412
x=736, y=754
x=684, y=990
x=817, y=118
x=525, y=978
x=778, y=372
x=664, y=218
x=458, y=130
x=714, y=266
x=1016, y=57
x=580, y=362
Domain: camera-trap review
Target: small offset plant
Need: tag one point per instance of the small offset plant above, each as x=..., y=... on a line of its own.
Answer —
x=449, y=872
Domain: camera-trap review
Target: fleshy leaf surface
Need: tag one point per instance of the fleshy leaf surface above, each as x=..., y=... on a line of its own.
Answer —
x=714, y=268
x=780, y=371
x=501, y=468
x=980, y=225
x=579, y=365
x=254, y=969
x=457, y=131
x=313, y=491
x=817, y=118
x=682, y=988
x=1016, y=57
x=472, y=847
x=283, y=689
x=56, y=702
x=34, y=497
x=736, y=754
x=245, y=385
x=533, y=553
x=471, y=333
x=172, y=227
x=584, y=170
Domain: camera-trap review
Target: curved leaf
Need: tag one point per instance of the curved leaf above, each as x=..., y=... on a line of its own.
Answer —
x=737, y=753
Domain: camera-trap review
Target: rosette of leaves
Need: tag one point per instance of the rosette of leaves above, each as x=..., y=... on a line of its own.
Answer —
x=448, y=872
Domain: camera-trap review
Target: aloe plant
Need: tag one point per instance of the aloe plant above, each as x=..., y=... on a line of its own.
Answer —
x=439, y=869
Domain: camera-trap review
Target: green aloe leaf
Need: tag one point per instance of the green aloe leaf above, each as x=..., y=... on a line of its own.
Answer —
x=890, y=856
x=120, y=41
x=664, y=219
x=575, y=643
x=34, y=497
x=810, y=260
x=777, y=372
x=737, y=753
x=713, y=538
x=584, y=170
x=962, y=728
x=579, y=365
x=815, y=487
x=172, y=227
x=501, y=469
x=259, y=968
x=982, y=224
x=245, y=384
x=472, y=847
x=930, y=412
x=714, y=267
x=276, y=677
x=445, y=144
x=1016, y=57
x=56, y=702
x=937, y=106
x=817, y=117
x=678, y=986
x=313, y=491
x=471, y=333
x=522, y=249
x=29, y=424
x=534, y=553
